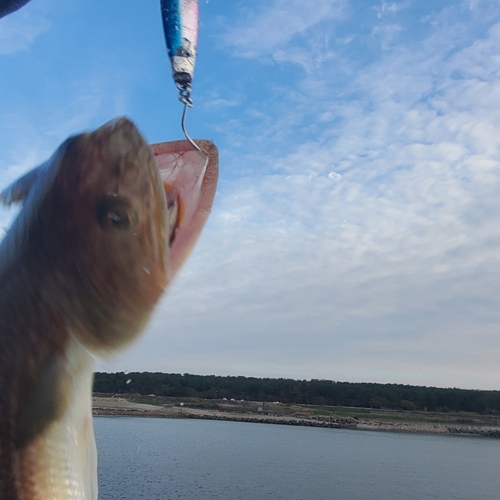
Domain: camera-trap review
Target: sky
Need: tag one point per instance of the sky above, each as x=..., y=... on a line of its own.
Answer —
x=355, y=234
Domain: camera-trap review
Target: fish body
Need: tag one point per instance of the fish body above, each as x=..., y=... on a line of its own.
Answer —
x=180, y=25
x=105, y=225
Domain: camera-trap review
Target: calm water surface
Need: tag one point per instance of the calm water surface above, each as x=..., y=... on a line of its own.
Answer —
x=146, y=458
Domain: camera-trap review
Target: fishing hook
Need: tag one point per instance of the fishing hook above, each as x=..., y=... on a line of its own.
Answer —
x=185, y=98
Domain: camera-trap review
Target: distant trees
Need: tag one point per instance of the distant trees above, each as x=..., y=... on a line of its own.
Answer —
x=315, y=392
x=408, y=405
x=378, y=402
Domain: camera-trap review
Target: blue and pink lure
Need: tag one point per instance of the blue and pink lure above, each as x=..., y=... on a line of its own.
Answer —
x=180, y=24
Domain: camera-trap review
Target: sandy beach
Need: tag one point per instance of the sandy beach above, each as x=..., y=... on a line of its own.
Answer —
x=290, y=415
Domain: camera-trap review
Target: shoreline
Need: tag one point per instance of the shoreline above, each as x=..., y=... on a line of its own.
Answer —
x=118, y=406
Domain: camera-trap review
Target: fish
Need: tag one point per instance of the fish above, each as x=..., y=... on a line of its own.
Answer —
x=105, y=225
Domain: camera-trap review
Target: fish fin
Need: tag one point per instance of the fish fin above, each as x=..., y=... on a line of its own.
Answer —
x=186, y=173
x=30, y=189
x=19, y=189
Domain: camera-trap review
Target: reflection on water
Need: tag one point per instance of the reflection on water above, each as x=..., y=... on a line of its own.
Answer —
x=198, y=459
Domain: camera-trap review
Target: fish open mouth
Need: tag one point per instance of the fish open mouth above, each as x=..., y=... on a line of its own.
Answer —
x=189, y=183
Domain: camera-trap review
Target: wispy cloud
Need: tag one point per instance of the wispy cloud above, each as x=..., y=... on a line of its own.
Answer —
x=216, y=102
x=19, y=31
x=355, y=233
x=260, y=33
x=388, y=8
x=370, y=251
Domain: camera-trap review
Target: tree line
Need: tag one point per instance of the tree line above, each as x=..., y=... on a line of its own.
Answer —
x=313, y=392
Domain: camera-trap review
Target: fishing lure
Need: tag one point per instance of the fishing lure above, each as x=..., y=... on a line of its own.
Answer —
x=180, y=25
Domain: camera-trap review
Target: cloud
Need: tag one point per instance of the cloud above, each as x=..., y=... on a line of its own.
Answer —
x=19, y=31
x=369, y=251
x=390, y=8
x=355, y=232
x=261, y=33
x=215, y=102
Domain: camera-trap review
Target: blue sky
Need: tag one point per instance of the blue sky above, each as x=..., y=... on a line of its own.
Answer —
x=356, y=229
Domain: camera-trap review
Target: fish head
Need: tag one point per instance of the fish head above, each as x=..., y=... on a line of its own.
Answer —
x=110, y=221
x=113, y=221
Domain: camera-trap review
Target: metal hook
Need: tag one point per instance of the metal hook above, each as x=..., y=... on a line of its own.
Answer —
x=185, y=98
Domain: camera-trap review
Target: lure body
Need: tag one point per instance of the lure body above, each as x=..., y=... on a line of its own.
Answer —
x=180, y=24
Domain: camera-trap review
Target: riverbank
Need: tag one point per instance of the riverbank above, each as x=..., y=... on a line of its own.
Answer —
x=277, y=413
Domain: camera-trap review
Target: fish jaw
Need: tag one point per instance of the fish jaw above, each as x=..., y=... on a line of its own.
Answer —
x=193, y=178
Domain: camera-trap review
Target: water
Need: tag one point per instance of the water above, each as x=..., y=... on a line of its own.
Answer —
x=146, y=458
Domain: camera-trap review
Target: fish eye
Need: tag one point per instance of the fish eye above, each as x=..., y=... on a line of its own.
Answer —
x=115, y=212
